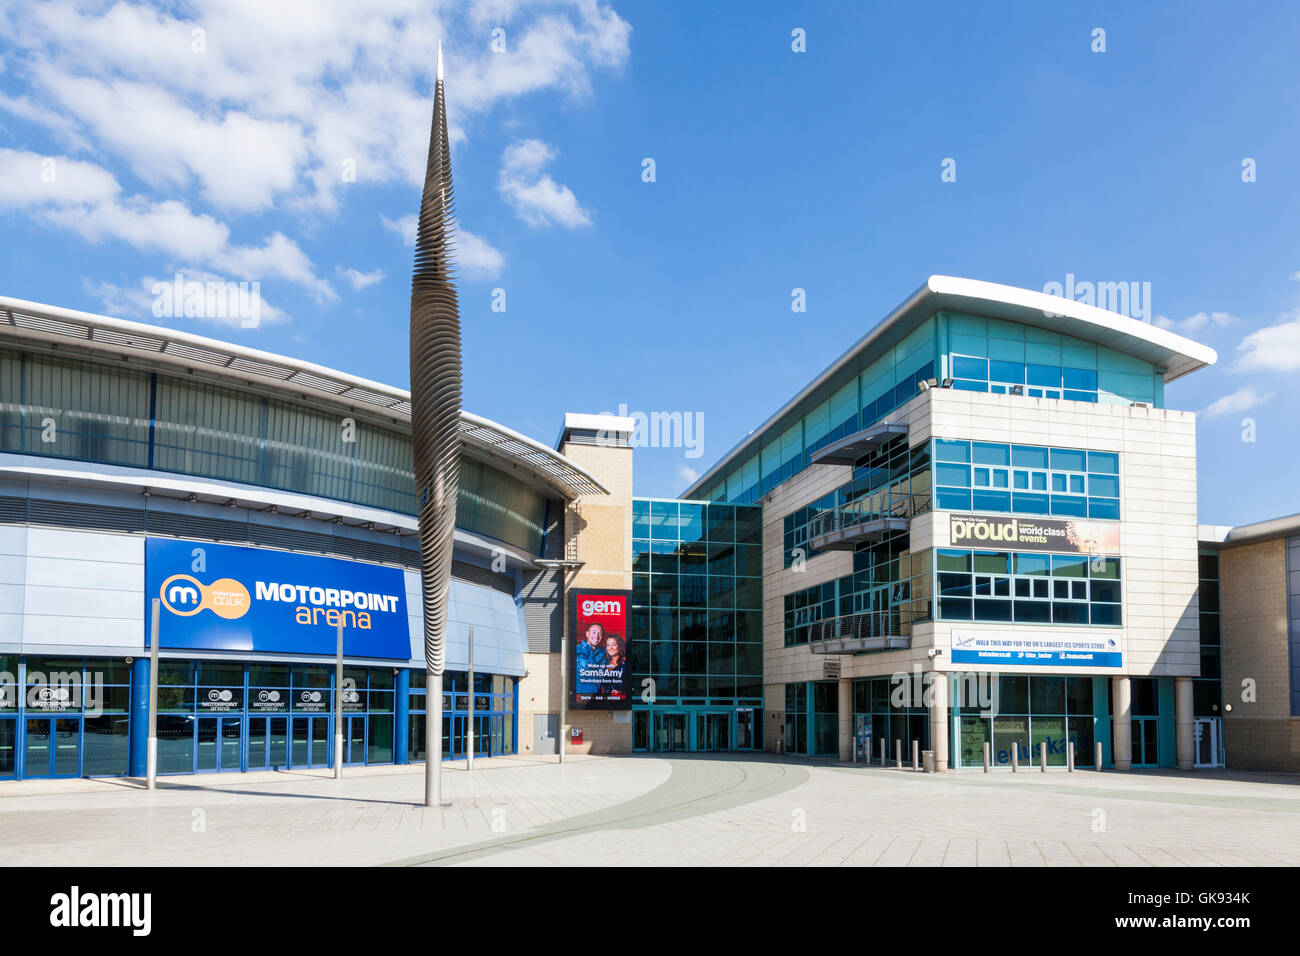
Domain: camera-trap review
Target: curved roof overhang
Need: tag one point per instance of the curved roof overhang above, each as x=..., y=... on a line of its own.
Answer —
x=1174, y=355
x=89, y=336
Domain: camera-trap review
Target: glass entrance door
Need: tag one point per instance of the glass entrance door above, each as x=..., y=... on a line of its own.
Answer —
x=713, y=731
x=219, y=743
x=267, y=743
x=354, y=738
x=52, y=747
x=1145, y=751
x=310, y=745
x=1208, y=753
x=744, y=730
x=670, y=732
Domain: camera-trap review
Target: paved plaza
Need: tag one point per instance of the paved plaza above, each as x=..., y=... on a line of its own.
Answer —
x=660, y=810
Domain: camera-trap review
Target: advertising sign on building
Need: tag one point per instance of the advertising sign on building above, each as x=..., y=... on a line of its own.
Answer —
x=226, y=598
x=600, y=673
x=1020, y=647
x=1072, y=536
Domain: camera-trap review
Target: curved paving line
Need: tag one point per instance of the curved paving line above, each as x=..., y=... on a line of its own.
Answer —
x=695, y=787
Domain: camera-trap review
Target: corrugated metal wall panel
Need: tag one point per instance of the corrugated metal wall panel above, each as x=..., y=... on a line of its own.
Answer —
x=540, y=595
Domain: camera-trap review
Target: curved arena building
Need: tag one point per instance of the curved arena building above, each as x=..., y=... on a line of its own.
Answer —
x=264, y=501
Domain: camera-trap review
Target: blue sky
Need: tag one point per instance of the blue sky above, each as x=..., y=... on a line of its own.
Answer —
x=224, y=153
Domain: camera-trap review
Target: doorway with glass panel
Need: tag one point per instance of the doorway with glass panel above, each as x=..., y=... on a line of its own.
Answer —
x=670, y=732
x=52, y=747
x=713, y=731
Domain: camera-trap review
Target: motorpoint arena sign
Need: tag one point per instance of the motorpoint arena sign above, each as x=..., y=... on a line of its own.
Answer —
x=221, y=597
x=1073, y=536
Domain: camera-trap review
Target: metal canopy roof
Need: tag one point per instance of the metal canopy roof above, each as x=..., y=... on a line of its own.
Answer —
x=85, y=334
x=848, y=450
x=1174, y=355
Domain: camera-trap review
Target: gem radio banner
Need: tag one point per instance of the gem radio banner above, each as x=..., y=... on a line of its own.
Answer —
x=600, y=673
x=1072, y=536
x=221, y=597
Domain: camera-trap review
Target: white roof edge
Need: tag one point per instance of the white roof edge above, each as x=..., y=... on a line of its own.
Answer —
x=1286, y=526
x=1055, y=305
x=940, y=292
x=127, y=327
x=10, y=304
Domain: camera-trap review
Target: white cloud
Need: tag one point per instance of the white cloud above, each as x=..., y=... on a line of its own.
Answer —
x=1239, y=401
x=538, y=199
x=687, y=475
x=1195, y=324
x=476, y=258
x=88, y=200
x=141, y=302
x=404, y=226
x=1275, y=348
x=360, y=280
x=262, y=103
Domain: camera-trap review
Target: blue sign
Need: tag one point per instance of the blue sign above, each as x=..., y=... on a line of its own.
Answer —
x=225, y=598
x=1023, y=648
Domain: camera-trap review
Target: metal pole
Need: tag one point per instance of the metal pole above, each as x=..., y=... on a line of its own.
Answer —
x=338, y=705
x=1042, y=756
x=898, y=754
x=1015, y=756
x=151, y=746
x=469, y=730
x=1099, y=756
x=564, y=662
x=1069, y=756
x=883, y=754
x=987, y=749
x=916, y=751
x=432, y=737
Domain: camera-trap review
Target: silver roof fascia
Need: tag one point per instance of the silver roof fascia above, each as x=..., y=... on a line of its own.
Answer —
x=1175, y=355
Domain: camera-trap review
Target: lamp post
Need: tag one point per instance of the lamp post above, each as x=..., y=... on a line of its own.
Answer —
x=151, y=745
x=565, y=566
x=338, y=706
x=469, y=727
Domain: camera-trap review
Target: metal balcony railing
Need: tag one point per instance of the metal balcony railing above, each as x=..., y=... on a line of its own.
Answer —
x=881, y=511
x=859, y=632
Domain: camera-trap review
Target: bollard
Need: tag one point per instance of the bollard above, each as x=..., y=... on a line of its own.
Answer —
x=898, y=754
x=884, y=755
x=1069, y=756
x=987, y=750
x=1099, y=756
x=1015, y=756
x=1042, y=757
x=916, y=755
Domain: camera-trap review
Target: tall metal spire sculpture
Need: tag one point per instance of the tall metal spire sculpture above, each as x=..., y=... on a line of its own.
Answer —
x=435, y=420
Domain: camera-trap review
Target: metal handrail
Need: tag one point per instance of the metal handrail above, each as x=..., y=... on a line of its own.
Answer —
x=891, y=504
x=861, y=624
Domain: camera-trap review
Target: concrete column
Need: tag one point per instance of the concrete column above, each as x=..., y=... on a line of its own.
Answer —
x=939, y=720
x=1183, y=714
x=1122, y=724
x=846, y=718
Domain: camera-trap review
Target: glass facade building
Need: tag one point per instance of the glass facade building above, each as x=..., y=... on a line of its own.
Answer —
x=696, y=629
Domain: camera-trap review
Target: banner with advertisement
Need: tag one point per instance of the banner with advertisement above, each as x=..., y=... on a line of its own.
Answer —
x=1071, y=536
x=1043, y=650
x=227, y=598
x=599, y=672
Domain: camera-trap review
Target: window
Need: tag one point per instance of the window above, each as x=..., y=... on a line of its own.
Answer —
x=1037, y=381
x=1028, y=587
x=1026, y=479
